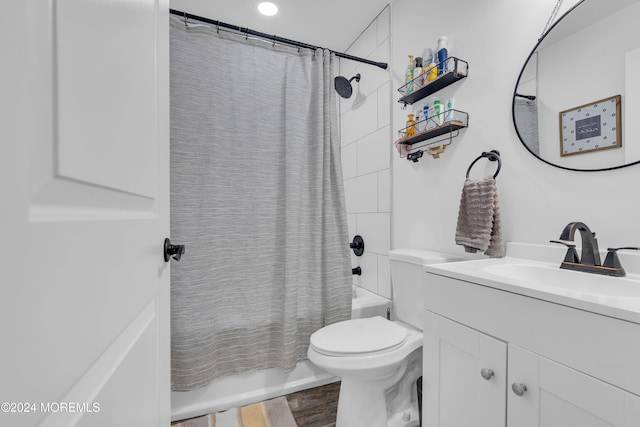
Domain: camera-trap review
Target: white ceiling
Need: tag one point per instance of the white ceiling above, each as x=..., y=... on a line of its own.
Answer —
x=333, y=24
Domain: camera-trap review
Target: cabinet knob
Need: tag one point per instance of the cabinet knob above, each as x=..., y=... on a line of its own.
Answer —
x=487, y=374
x=518, y=389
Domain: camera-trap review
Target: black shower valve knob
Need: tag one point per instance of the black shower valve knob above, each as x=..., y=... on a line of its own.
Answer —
x=357, y=245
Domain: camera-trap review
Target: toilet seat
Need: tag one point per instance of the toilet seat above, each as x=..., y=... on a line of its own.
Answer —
x=358, y=337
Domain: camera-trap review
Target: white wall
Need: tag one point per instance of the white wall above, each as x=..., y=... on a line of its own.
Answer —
x=537, y=200
x=365, y=125
x=562, y=83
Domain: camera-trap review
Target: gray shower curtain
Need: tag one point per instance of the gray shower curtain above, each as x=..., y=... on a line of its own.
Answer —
x=258, y=200
x=526, y=115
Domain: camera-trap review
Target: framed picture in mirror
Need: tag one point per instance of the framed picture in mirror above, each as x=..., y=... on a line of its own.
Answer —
x=591, y=127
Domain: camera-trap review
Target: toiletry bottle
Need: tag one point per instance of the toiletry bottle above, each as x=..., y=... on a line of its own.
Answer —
x=411, y=126
x=425, y=117
x=433, y=72
x=443, y=54
x=429, y=71
x=427, y=56
x=449, y=113
x=437, y=111
x=418, y=79
x=418, y=119
x=408, y=76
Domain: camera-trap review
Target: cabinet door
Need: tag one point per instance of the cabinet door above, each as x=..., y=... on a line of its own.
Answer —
x=558, y=396
x=454, y=391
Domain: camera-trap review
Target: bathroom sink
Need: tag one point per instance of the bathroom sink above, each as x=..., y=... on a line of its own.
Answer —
x=540, y=277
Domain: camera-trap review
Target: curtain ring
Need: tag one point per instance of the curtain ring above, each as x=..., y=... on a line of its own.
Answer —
x=186, y=23
x=274, y=40
x=217, y=27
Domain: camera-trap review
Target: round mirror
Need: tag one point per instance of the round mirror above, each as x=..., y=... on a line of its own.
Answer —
x=577, y=86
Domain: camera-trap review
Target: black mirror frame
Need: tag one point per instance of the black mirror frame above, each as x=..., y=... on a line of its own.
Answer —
x=513, y=104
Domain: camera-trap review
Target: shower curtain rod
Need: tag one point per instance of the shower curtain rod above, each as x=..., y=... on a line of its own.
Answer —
x=273, y=38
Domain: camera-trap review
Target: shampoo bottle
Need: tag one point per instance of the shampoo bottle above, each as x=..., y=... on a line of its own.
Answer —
x=449, y=110
x=442, y=53
x=429, y=70
x=425, y=117
x=427, y=56
x=437, y=111
x=433, y=72
x=408, y=76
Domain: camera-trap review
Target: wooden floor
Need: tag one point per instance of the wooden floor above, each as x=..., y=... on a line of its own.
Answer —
x=315, y=407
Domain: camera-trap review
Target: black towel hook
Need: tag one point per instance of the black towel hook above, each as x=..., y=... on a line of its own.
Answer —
x=492, y=156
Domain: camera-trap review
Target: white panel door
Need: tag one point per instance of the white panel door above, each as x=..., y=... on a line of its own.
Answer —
x=464, y=376
x=84, y=210
x=558, y=396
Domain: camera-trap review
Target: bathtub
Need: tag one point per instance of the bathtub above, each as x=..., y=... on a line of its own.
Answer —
x=243, y=389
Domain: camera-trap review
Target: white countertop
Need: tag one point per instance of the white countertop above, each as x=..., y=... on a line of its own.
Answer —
x=530, y=273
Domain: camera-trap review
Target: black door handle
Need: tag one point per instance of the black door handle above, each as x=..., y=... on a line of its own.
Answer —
x=172, y=250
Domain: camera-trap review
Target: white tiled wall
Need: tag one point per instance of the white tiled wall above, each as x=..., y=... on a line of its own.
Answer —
x=365, y=125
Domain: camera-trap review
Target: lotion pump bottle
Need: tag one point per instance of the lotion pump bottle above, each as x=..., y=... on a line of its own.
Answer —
x=443, y=54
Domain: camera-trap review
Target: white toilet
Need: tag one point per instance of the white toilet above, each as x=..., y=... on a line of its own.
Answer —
x=380, y=360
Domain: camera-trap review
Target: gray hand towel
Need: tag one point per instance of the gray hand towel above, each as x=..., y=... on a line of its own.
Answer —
x=479, y=227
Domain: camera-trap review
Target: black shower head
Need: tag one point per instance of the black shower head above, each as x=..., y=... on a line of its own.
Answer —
x=343, y=86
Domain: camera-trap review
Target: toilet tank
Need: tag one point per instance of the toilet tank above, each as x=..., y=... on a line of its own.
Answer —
x=407, y=275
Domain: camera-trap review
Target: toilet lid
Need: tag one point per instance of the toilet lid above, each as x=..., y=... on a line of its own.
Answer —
x=358, y=336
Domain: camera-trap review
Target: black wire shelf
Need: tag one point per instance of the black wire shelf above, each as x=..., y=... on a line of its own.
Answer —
x=426, y=132
x=416, y=90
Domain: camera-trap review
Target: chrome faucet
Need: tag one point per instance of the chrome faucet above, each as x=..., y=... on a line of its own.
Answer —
x=589, y=260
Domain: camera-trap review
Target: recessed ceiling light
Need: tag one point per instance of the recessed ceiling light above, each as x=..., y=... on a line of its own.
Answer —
x=267, y=8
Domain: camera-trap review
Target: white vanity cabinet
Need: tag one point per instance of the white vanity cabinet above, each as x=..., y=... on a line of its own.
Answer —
x=579, y=368
x=557, y=395
x=464, y=376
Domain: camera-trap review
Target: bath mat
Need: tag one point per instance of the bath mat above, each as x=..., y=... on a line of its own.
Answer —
x=270, y=413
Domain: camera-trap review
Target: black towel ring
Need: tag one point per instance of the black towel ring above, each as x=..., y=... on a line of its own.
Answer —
x=492, y=156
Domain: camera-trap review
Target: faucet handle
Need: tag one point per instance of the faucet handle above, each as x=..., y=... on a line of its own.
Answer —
x=612, y=260
x=572, y=255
